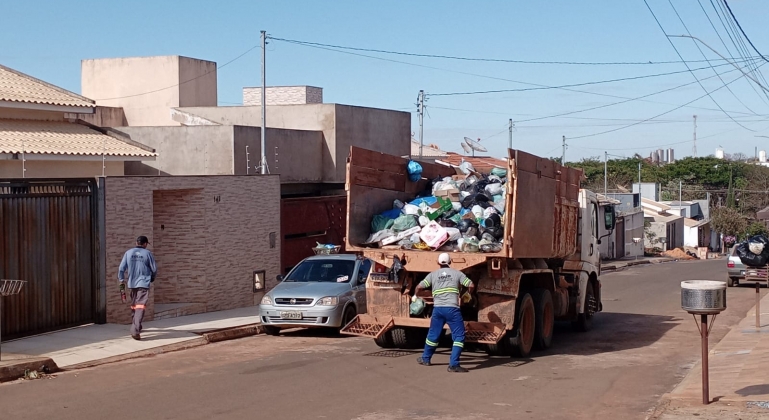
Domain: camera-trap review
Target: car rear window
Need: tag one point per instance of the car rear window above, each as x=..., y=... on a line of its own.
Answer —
x=330, y=271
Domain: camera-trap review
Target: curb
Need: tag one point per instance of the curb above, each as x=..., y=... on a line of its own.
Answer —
x=17, y=370
x=234, y=333
x=196, y=342
x=613, y=267
x=208, y=337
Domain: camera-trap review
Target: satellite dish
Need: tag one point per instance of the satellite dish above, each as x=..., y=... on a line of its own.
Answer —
x=466, y=148
x=476, y=146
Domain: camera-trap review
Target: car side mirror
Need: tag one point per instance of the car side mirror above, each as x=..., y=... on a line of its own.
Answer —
x=609, y=217
x=599, y=242
x=279, y=277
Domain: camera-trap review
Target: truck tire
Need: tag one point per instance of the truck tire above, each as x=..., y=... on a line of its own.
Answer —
x=525, y=325
x=584, y=322
x=384, y=341
x=270, y=330
x=407, y=338
x=544, y=319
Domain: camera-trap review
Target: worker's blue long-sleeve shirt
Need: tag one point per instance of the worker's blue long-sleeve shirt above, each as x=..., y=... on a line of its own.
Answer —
x=141, y=268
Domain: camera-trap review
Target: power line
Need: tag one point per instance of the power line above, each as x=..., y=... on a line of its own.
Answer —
x=707, y=93
x=706, y=58
x=687, y=66
x=633, y=148
x=492, y=77
x=743, y=32
x=186, y=81
x=726, y=47
x=545, y=87
x=742, y=50
x=490, y=60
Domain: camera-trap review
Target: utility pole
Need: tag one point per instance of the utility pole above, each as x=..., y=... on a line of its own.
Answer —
x=264, y=104
x=694, y=148
x=605, y=172
x=421, y=113
x=680, y=187
x=510, y=140
x=640, y=193
x=563, y=156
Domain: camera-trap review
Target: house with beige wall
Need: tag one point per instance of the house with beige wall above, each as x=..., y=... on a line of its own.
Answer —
x=40, y=139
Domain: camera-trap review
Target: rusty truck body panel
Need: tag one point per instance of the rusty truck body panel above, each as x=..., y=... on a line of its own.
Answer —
x=545, y=232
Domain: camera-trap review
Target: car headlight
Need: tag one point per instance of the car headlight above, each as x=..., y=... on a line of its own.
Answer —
x=266, y=300
x=327, y=301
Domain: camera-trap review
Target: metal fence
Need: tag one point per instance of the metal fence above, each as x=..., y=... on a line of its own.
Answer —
x=48, y=238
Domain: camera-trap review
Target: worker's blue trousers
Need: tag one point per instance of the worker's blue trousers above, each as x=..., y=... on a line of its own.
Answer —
x=442, y=316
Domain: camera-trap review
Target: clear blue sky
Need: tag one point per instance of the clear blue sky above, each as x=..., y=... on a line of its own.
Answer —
x=47, y=39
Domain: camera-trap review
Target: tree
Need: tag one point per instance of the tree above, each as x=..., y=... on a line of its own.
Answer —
x=755, y=228
x=728, y=221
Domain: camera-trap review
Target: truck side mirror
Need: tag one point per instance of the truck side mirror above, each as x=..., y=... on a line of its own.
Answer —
x=609, y=217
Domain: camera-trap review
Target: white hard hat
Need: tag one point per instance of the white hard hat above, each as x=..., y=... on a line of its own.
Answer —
x=444, y=259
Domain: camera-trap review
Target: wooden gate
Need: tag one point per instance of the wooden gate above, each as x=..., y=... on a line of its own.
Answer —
x=48, y=239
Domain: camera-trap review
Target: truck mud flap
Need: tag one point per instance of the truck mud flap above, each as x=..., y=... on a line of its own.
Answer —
x=484, y=332
x=368, y=326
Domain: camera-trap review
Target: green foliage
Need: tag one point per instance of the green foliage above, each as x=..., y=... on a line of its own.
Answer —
x=755, y=228
x=728, y=221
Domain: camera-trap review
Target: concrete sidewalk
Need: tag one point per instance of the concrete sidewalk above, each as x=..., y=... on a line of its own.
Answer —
x=91, y=345
x=626, y=263
x=739, y=371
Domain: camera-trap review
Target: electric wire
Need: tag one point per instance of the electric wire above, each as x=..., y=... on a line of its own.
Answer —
x=696, y=44
x=687, y=65
x=707, y=93
x=184, y=82
x=484, y=76
x=490, y=60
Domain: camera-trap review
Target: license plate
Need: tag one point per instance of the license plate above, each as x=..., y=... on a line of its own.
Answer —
x=291, y=315
x=379, y=277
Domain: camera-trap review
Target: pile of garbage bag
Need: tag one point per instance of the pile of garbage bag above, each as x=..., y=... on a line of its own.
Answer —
x=755, y=251
x=463, y=213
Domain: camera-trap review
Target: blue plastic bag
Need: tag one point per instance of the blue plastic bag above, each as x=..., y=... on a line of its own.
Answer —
x=392, y=214
x=427, y=200
x=415, y=171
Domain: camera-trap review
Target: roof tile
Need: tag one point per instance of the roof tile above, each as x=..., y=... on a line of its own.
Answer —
x=19, y=87
x=62, y=138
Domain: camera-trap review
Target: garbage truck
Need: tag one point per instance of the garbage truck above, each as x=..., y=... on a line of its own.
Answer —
x=546, y=269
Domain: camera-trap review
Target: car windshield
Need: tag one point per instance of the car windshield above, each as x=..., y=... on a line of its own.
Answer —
x=327, y=271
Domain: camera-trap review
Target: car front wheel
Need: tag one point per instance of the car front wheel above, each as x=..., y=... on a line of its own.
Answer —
x=733, y=281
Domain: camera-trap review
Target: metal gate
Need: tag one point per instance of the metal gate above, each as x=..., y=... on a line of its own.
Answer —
x=48, y=239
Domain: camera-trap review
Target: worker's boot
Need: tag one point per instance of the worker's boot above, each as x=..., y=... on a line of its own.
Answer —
x=423, y=362
x=457, y=369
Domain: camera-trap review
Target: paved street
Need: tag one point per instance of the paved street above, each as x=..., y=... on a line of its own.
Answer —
x=640, y=348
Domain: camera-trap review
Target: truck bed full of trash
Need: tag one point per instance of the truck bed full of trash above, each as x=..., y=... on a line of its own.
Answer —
x=462, y=213
x=755, y=251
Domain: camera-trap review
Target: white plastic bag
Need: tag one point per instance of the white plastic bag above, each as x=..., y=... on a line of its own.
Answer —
x=466, y=167
x=477, y=211
x=494, y=189
x=410, y=209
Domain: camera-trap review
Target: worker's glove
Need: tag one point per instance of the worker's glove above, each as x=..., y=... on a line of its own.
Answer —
x=414, y=298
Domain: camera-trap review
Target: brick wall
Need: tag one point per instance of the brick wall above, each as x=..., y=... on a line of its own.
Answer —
x=283, y=95
x=238, y=215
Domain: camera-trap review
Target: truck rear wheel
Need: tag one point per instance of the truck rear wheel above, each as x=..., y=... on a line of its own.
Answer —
x=544, y=319
x=584, y=322
x=526, y=327
x=520, y=346
x=385, y=341
x=407, y=338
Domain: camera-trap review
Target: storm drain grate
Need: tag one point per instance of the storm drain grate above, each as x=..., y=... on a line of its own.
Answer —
x=391, y=353
x=517, y=363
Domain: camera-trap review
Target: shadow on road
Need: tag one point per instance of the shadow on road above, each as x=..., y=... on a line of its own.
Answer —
x=612, y=332
x=753, y=390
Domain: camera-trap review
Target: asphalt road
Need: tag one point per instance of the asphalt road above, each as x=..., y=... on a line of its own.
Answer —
x=640, y=348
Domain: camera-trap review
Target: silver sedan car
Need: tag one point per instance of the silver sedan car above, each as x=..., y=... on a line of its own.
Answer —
x=321, y=291
x=735, y=269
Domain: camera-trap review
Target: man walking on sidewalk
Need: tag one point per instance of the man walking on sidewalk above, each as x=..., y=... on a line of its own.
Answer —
x=140, y=264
